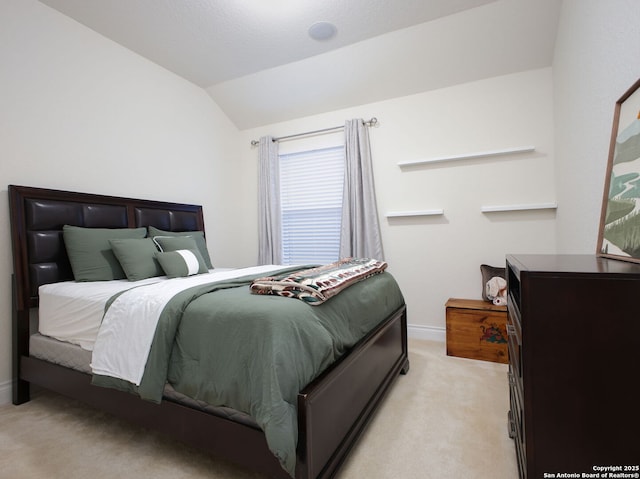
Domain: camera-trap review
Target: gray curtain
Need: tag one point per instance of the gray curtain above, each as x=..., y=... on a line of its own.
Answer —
x=360, y=235
x=269, y=221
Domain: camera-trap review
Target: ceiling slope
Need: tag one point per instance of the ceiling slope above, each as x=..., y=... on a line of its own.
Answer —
x=257, y=62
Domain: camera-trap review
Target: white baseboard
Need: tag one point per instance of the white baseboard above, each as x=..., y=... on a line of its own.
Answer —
x=5, y=392
x=433, y=333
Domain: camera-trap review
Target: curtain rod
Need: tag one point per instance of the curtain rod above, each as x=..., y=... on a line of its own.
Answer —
x=372, y=122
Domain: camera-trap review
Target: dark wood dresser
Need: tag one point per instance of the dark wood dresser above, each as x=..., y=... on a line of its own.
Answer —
x=574, y=364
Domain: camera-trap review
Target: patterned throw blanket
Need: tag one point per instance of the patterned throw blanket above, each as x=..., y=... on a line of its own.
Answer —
x=316, y=285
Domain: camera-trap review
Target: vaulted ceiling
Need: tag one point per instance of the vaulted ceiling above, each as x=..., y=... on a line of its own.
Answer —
x=258, y=62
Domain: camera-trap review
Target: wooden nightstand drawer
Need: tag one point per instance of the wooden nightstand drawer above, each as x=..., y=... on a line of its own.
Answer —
x=477, y=329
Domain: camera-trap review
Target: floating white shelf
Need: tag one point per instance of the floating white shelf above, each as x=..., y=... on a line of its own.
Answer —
x=467, y=156
x=531, y=206
x=404, y=214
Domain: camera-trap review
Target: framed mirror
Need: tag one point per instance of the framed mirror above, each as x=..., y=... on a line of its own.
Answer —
x=619, y=232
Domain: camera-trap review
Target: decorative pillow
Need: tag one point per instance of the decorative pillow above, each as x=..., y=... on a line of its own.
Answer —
x=198, y=236
x=174, y=243
x=489, y=272
x=182, y=262
x=137, y=257
x=90, y=253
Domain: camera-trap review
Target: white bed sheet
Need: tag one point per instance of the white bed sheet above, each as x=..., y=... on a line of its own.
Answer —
x=72, y=311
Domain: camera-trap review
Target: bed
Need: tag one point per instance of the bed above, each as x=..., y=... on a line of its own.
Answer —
x=332, y=410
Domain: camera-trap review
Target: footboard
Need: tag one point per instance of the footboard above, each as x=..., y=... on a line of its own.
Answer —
x=334, y=410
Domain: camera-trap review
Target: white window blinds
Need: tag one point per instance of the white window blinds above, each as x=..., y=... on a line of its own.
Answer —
x=311, y=184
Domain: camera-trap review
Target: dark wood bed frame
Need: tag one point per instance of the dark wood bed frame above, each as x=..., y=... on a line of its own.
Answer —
x=333, y=410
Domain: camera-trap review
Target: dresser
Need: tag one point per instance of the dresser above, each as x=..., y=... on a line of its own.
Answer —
x=573, y=328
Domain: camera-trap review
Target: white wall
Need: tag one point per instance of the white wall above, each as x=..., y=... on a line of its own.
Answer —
x=596, y=61
x=435, y=258
x=79, y=112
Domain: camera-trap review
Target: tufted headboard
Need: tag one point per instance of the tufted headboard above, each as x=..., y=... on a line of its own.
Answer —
x=38, y=215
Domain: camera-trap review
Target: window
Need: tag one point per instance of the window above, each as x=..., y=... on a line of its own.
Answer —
x=311, y=184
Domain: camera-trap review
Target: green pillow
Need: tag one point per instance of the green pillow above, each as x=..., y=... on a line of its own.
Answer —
x=198, y=236
x=182, y=262
x=90, y=253
x=137, y=257
x=174, y=243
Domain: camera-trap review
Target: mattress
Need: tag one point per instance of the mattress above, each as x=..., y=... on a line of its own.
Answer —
x=72, y=311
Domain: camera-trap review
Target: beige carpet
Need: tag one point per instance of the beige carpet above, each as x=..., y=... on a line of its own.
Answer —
x=445, y=419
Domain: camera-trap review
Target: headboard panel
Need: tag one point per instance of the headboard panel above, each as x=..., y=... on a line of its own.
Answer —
x=167, y=220
x=38, y=215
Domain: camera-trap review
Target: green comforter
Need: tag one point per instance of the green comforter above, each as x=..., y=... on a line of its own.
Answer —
x=220, y=344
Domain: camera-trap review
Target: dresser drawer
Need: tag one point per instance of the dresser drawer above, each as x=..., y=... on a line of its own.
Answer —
x=514, y=341
x=517, y=424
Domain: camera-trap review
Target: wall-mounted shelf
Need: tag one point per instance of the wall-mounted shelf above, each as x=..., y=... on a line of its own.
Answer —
x=531, y=206
x=406, y=214
x=468, y=156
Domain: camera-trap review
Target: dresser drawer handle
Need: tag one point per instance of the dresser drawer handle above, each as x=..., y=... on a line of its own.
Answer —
x=511, y=329
x=511, y=426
